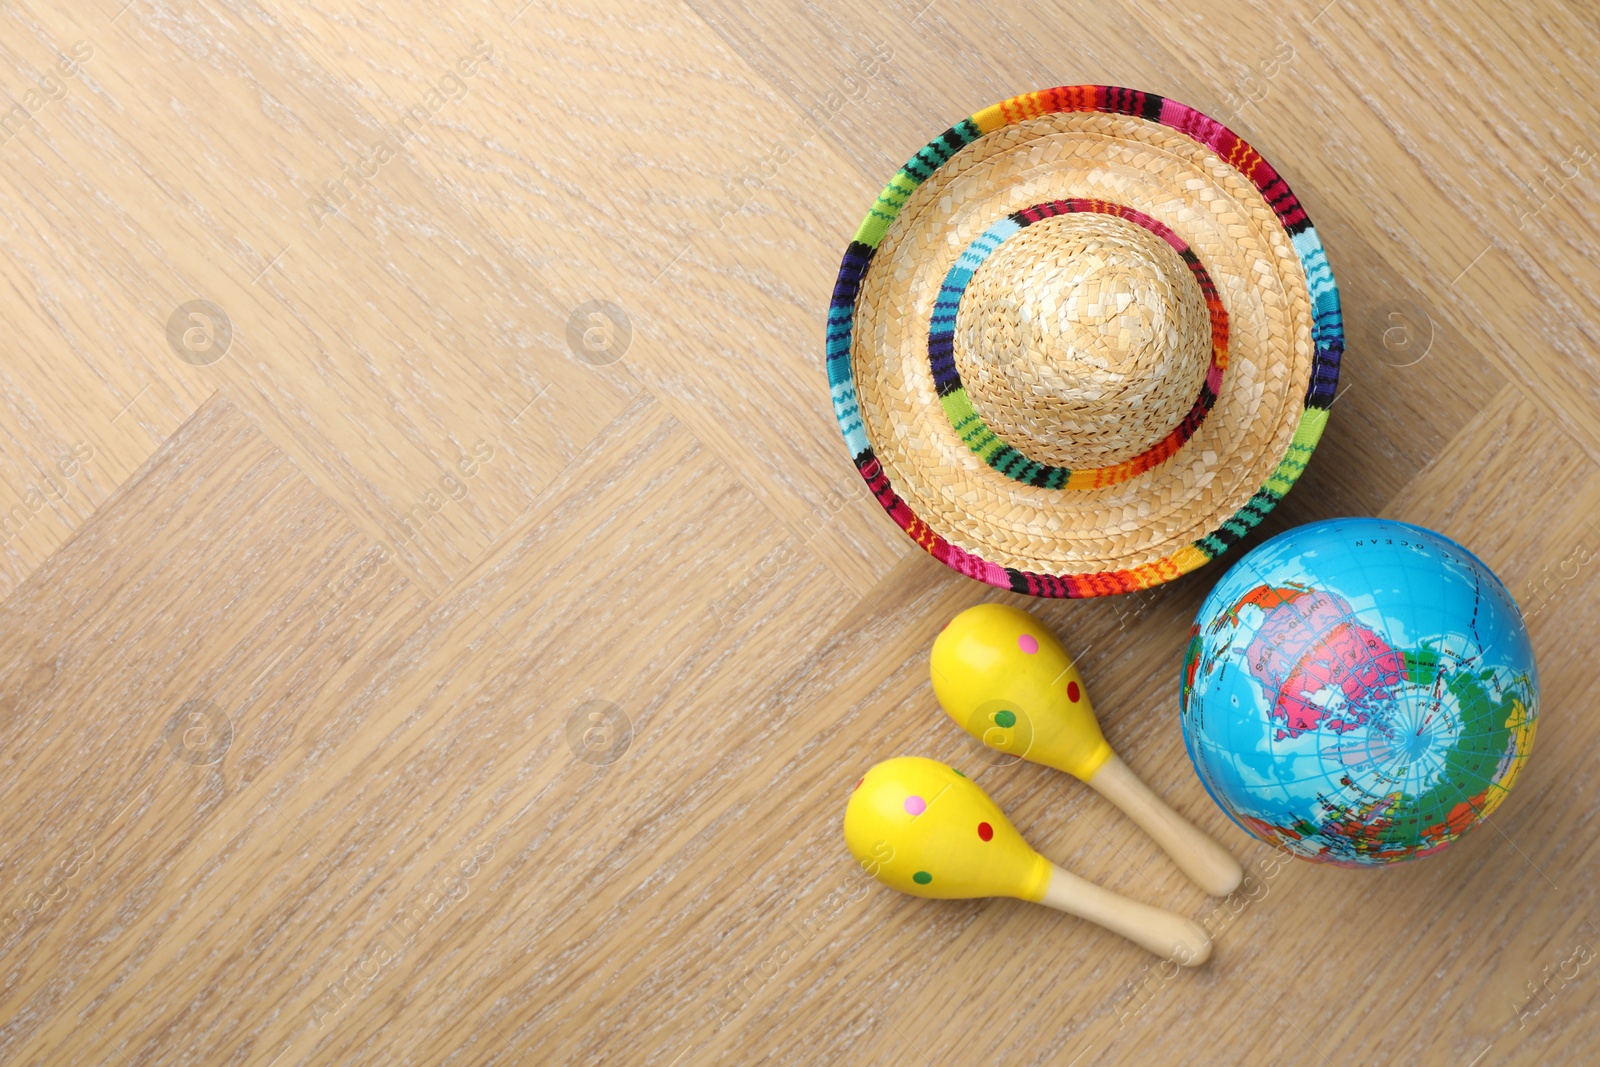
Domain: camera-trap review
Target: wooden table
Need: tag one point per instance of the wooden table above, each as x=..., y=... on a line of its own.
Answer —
x=454, y=638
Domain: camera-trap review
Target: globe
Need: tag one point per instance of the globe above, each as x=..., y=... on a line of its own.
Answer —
x=1359, y=692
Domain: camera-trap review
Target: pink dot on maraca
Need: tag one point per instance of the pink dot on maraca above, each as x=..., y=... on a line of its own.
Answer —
x=916, y=805
x=1028, y=643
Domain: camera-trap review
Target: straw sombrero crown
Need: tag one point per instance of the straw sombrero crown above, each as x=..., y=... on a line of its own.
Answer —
x=1083, y=342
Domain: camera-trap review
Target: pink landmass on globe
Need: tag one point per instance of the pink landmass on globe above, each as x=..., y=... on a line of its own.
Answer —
x=1311, y=641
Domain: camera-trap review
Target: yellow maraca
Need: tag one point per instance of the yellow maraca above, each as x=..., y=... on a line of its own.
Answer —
x=923, y=828
x=1003, y=677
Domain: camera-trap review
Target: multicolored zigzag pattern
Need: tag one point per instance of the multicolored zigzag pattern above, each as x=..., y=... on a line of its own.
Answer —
x=1327, y=333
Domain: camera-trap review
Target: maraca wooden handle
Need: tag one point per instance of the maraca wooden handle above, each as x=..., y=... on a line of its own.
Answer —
x=1167, y=935
x=1202, y=859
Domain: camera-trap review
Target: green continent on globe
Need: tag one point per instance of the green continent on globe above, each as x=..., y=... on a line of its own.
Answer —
x=1471, y=785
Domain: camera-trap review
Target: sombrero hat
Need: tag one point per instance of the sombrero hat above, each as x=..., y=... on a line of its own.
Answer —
x=1083, y=342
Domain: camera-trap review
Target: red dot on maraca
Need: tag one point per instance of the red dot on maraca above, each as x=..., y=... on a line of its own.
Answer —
x=985, y=831
x=1072, y=692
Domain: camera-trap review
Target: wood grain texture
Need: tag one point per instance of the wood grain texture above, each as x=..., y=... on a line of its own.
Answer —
x=415, y=684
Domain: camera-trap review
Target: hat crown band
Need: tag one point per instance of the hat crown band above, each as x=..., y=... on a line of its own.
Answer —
x=1082, y=340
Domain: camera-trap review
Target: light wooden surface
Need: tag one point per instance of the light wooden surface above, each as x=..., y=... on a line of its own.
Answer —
x=400, y=687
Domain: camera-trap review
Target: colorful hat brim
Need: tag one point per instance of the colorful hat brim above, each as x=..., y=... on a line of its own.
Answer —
x=1327, y=335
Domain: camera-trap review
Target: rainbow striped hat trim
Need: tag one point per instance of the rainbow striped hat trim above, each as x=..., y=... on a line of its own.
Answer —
x=1326, y=329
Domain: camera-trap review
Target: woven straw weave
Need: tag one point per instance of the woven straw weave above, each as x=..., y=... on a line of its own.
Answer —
x=1145, y=343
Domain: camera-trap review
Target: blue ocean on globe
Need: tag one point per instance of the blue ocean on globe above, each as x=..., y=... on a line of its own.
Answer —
x=1359, y=691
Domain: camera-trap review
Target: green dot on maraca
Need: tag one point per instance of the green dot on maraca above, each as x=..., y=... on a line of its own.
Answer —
x=1005, y=719
x=922, y=878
